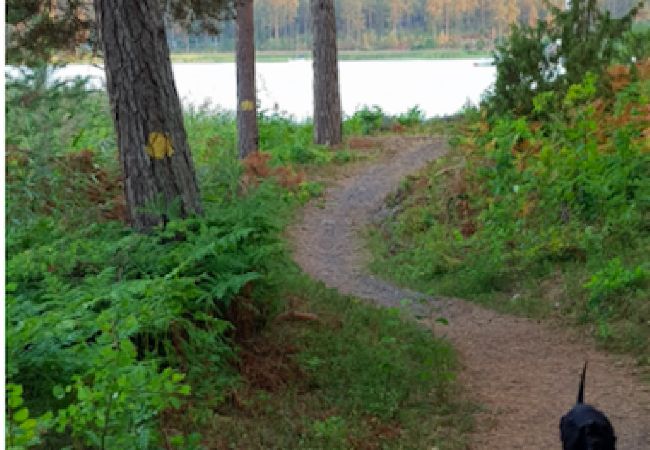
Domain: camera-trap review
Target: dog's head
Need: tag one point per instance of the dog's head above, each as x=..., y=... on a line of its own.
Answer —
x=584, y=427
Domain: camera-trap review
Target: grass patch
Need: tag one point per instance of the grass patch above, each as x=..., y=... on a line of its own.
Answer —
x=357, y=377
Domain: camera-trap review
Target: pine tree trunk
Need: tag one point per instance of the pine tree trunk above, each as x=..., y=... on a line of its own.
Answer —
x=154, y=153
x=246, y=95
x=327, y=102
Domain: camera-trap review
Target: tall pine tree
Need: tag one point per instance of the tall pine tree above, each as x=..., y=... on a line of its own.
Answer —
x=327, y=101
x=154, y=153
x=247, y=131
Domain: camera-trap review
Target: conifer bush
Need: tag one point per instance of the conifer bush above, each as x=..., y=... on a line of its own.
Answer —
x=556, y=54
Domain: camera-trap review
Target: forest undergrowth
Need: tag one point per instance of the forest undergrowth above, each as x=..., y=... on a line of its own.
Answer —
x=543, y=213
x=201, y=333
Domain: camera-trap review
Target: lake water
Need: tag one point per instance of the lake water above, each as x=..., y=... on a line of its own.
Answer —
x=439, y=87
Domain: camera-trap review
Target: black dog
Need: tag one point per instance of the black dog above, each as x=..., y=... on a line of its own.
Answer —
x=584, y=427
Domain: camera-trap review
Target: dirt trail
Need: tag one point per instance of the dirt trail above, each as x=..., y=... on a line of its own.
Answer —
x=524, y=373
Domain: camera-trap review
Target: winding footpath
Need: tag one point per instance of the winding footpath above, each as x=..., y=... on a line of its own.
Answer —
x=524, y=374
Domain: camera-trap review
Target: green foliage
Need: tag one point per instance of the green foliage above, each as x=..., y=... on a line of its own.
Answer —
x=635, y=45
x=522, y=200
x=367, y=120
x=604, y=287
x=305, y=192
x=115, y=404
x=412, y=117
x=35, y=29
x=517, y=63
x=332, y=432
x=611, y=280
x=372, y=120
x=578, y=180
x=390, y=364
x=47, y=121
x=289, y=142
x=21, y=430
x=589, y=37
x=84, y=299
x=213, y=133
x=552, y=57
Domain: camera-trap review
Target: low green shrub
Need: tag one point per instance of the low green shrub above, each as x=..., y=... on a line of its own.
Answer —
x=606, y=292
x=101, y=309
x=372, y=120
x=47, y=122
x=412, y=117
x=366, y=121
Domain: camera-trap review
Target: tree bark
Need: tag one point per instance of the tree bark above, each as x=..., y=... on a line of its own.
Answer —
x=327, y=101
x=246, y=94
x=154, y=153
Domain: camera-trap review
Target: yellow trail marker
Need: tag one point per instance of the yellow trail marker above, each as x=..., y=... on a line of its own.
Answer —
x=159, y=146
x=247, y=105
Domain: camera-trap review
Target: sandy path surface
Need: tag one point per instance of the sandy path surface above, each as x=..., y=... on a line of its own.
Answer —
x=524, y=373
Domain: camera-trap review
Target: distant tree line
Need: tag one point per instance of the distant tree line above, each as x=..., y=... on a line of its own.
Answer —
x=384, y=24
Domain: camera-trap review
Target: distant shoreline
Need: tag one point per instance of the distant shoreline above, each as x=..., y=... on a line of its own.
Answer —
x=288, y=55
x=344, y=55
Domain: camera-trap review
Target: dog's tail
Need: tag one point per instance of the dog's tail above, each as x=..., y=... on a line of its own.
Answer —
x=581, y=389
